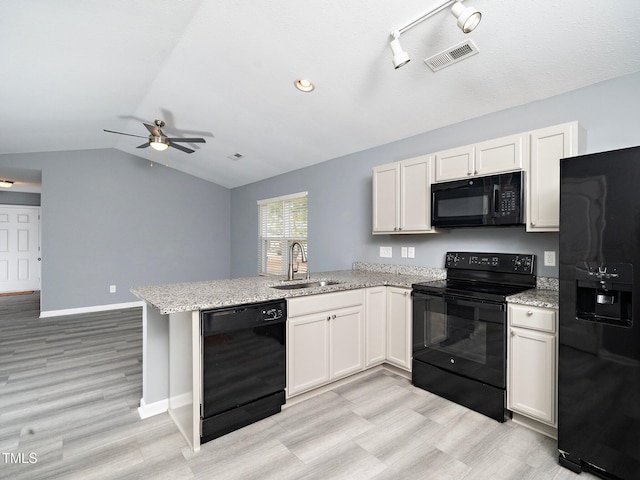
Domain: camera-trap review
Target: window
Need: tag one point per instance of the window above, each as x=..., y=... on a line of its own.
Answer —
x=282, y=220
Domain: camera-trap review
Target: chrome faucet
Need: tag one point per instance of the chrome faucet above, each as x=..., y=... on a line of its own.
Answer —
x=304, y=260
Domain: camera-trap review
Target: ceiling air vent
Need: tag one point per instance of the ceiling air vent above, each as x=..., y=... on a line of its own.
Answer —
x=235, y=156
x=452, y=55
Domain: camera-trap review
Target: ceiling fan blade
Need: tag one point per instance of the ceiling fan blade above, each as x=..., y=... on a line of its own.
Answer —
x=121, y=133
x=144, y=145
x=187, y=140
x=180, y=147
x=155, y=131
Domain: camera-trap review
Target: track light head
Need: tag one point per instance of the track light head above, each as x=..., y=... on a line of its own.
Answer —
x=468, y=17
x=400, y=57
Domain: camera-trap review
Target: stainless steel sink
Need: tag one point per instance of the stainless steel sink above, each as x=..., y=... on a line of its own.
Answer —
x=296, y=286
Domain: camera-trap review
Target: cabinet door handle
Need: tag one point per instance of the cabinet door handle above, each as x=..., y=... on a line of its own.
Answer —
x=513, y=334
x=328, y=317
x=533, y=224
x=475, y=172
x=333, y=317
x=406, y=293
x=469, y=173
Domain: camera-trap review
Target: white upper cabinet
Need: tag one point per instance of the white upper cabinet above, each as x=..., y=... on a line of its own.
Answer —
x=504, y=154
x=548, y=146
x=454, y=164
x=402, y=190
x=402, y=196
x=386, y=198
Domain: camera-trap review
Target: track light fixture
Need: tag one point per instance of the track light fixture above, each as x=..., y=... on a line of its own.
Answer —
x=468, y=19
x=400, y=57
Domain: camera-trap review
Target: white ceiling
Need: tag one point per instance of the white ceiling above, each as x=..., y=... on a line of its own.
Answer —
x=225, y=70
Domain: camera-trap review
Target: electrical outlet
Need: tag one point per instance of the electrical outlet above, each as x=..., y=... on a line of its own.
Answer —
x=403, y=252
x=386, y=252
x=412, y=252
x=112, y=289
x=549, y=258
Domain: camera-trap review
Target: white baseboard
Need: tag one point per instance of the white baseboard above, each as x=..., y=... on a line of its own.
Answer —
x=92, y=309
x=155, y=408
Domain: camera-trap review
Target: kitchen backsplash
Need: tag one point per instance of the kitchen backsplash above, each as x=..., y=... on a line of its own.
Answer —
x=547, y=283
x=400, y=269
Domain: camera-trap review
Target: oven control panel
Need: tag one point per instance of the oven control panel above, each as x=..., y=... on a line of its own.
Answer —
x=497, y=262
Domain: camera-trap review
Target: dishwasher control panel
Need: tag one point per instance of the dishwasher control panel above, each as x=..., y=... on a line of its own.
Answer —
x=273, y=313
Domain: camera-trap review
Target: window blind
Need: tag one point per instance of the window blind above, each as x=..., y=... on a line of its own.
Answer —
x=282, y=220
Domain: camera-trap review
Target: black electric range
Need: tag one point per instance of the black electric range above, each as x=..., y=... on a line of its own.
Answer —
x=460, y=328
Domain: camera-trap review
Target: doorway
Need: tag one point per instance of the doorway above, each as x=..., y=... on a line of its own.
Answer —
x=19, y=248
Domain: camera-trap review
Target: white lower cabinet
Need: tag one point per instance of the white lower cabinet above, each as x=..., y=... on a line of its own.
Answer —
x=375, y=347
x=333, y=335
x=532, y=363
x=325, y=339
x=399, y=314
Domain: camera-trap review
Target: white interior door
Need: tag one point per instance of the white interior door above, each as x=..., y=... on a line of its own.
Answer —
x=19, y=248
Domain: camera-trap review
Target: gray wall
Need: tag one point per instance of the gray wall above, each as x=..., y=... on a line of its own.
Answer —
x=340, y=189
x=110, y=219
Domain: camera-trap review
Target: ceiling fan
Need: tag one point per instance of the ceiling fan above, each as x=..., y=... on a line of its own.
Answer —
x=159, y=141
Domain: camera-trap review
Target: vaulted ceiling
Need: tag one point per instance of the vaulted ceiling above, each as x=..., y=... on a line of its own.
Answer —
x=225, y=70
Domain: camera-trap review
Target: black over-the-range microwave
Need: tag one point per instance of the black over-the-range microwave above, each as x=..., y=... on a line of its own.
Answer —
x=495, y=200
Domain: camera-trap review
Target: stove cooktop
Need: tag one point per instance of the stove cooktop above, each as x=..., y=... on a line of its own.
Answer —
x=488, y=276
x=488, y=291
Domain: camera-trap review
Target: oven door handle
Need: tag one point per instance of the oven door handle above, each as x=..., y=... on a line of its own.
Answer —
x=474, y=303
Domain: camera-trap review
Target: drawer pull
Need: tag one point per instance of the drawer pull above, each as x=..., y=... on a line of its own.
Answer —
x=529, y=313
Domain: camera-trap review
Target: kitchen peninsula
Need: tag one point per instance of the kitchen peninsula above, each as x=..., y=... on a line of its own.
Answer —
x=171, y=327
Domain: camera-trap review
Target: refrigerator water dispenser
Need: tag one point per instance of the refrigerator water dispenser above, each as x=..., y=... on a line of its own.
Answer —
x=604, y=293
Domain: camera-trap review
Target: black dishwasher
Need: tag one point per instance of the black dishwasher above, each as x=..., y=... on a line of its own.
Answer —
x=243, y=366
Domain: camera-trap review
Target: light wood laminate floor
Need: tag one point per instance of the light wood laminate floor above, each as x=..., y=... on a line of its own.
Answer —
x=70, y=386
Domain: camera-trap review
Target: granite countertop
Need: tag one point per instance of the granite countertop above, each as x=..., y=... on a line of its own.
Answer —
x=536, y=297
x=184, y=297
x=189, y=296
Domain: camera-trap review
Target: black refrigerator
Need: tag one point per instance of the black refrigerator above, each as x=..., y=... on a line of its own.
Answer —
x=599, y=329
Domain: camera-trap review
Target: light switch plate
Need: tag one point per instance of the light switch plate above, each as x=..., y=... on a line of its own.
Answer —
x=549, y=258
x=403, y=252
x=386, y=252
x=412, y=252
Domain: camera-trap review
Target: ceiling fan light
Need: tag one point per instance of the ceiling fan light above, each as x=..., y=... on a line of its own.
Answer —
x=158, y=143
x=400, y=57
x=6, y=183
x=468, y=17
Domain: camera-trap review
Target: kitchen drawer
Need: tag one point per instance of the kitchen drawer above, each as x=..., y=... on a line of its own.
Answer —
x=543, y=319
x=324, y=302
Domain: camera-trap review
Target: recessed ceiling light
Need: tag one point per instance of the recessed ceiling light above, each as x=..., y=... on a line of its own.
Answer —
x=304, y=85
